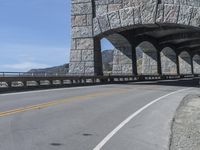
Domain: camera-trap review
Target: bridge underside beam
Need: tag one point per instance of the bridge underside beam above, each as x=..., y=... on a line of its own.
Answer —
x=180, y=38
x=180, y=41
x=161, y=33
x=169, y=32
x=191, y=47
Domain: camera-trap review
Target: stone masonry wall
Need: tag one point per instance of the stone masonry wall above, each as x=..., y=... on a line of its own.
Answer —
x=91, y=19
x=149, y=58
x=118, y=14
x=185, y=63
x=82, y=46
x=122, y=56
x=149, y=63
x=168, y=61
x=196, y=64
x=122, y=61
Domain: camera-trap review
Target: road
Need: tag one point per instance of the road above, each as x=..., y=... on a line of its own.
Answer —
x=131, y=116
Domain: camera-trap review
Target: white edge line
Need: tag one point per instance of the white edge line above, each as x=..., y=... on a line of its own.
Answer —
x=122, y=124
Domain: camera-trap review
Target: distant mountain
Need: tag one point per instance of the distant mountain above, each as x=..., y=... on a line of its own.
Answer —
x=107, y=60
x=107, y=56
x=57, y=69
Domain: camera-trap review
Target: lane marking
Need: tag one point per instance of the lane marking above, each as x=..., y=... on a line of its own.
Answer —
x=127, y=120
x=60, y=101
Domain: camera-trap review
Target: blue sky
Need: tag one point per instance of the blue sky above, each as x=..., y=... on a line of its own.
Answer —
x=34, y=34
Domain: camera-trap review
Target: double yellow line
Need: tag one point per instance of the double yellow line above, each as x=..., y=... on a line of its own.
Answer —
x=60, y=101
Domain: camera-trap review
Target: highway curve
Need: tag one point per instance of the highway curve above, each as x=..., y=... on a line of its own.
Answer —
x=131, y=116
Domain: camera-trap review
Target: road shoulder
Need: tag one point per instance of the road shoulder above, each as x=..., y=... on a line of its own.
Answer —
x=186, y=125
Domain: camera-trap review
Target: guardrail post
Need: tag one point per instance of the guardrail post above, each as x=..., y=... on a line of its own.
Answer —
x=111, y=79
x=78, y=81
x=71, y=82
x=38, y=83
x=75, y=81
x=61, y=82
x=163, y=77
x=51, y=82
x=9, y=84
x=85, y=81
x=93, y=80
x=24, y=83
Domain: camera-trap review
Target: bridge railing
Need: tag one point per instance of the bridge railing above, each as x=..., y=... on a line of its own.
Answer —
x=10, y=80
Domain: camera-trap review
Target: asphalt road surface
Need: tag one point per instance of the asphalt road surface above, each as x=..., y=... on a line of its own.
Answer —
x=132, y=116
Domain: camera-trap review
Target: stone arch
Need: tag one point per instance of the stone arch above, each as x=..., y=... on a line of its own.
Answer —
x=168, y=61
x=93, y=19
x=122, y=59
x=126, y=15
x=185, y=63
x=196, y=64
x=147, y=64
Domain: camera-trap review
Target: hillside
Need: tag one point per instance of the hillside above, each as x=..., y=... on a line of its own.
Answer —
x=107, y=58
x=57, y=69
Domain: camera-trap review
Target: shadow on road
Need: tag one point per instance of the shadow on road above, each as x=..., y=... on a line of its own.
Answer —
x=180, y=82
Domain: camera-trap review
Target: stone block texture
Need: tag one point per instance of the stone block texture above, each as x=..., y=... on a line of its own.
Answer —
x=92, y=19
x=82, y=45
x=196, y=64
x=168, y=61
x=122, y=59
x=185, y=63
x=149, y=65
x=126, y=13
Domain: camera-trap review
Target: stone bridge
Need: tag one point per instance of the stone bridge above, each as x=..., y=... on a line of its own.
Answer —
x=167, y=32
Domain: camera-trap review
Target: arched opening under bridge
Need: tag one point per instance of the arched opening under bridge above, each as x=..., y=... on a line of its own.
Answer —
x=147, y=59
x=168, y=61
